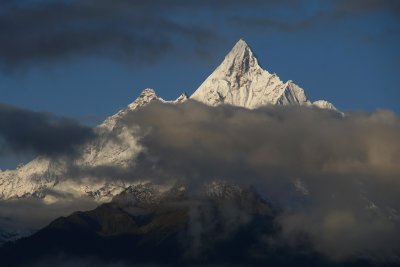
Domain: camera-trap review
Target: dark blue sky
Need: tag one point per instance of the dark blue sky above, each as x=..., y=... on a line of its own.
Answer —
x=88, y=59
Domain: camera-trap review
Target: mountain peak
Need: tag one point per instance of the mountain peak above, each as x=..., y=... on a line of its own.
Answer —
x=240, y=81
x=241, y=58
x=145, y=97
x=241, y=44
x=182, y=98
x=148, y=92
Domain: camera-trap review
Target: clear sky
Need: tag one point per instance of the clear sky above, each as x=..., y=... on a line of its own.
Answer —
x=88, y=59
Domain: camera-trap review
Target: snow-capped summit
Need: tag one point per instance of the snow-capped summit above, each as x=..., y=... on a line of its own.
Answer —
x=323, y=104
x=148, y=95
x=241, y=81
x=145, y=97
x=182, y=98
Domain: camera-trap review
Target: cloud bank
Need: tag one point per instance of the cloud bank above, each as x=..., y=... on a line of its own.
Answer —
x=344, y=171
x=334, y=179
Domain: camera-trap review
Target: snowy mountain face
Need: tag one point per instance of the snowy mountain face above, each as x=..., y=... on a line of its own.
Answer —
x=146, y=96
x=116, y=145
x=238, y=81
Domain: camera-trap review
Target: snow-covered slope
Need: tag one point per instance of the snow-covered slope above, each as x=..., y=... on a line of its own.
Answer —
x=29, y=179
x=116, y=145
x=238, y=81
x=324, y=104
x=146, y=96
x=241, y=81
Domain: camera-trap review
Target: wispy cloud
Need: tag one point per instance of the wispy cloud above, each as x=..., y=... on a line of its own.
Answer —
x=349, y=7
x=334, y=11
x=130, y=31
x=25, y=131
